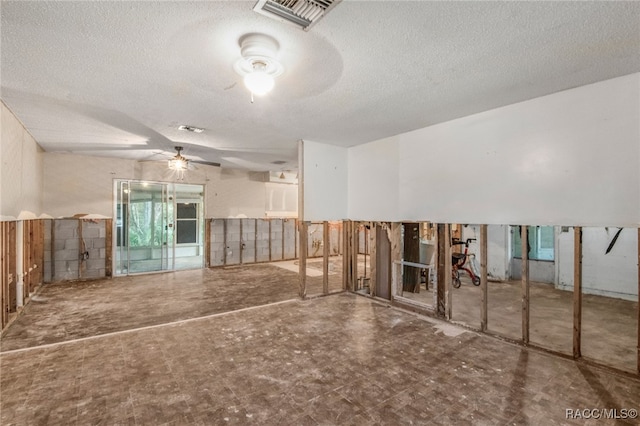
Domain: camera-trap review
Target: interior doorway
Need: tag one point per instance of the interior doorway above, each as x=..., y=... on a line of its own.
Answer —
x=159, y=226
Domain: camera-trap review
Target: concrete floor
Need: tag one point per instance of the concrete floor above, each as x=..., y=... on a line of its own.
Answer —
x=609, y=333
x=341, y=359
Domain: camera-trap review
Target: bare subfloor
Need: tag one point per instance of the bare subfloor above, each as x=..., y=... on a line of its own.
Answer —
x=341, y=359
x=609, y=330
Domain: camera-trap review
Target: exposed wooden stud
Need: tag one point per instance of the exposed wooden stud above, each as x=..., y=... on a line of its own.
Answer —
x=270, y=256
x=241, y=244
x=224, y=241
x=13, y=270
x=108, y=247
x=295, y=241
x=345, y=256
x=53, y=249
x=447, y=276
x=4, y=290
x=396, y=256
x=255, y=241
x=81, y=249
x=441, y=271
x=355, y=244
x=26, y=265
x=525, y=283
x=373, y=269
x=483, y=277
x=302, y=262
x=577, y=292
x=326, y=243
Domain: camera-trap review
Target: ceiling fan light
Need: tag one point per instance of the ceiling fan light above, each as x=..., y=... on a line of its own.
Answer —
x=178, y=164
x=259, y=82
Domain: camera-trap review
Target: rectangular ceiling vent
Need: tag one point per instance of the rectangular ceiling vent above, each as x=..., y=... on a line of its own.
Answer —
x=302, y=13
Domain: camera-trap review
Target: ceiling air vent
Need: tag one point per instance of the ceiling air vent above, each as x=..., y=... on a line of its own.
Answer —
x=303, y=13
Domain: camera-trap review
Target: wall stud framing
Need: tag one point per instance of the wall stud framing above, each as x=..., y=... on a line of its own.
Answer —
x=577, y=292
x=326, y=245
x=525, y=284
x=207, y=243
x=241, y=246
x=108, y=246
x=302, y=261
x=270, y=256
x=224, y=242
x=373, y=268
x=447, y=276
x=483, y=277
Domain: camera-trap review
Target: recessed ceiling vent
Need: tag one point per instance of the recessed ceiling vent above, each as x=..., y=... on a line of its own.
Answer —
x=302, y=13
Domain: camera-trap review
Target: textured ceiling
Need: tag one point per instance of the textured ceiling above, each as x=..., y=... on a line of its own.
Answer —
x=117, y=78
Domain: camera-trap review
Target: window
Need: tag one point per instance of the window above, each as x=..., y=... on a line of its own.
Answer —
x=187, y=223
x=541, y=242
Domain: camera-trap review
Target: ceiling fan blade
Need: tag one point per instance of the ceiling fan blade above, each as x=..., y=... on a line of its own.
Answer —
x=208, y=163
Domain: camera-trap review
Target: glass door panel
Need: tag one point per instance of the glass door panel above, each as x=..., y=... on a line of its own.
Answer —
x=147, y=227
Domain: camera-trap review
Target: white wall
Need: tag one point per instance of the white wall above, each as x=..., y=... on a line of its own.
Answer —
x=614, y=274
x=76, y=184
x=373, y=183
x=325, y=181
x=84, y=184
x=570, y=158
x=20, y=168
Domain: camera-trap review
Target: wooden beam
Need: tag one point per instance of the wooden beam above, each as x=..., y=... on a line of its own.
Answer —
x=13, y=270
x=355, y=236
x=241, y=247
x=373, y=242
x=302, y=263
x=4, y=293
x=396, y=256
x=577, y=292
x=53, y=250
x=525, y=283
x=447, y=276
x=442, y=271
x=81, y=249
x=326, y=245
x=224, y=241
x=483, y=277
x=108, y=247
x=269, y=222
x=345, y=255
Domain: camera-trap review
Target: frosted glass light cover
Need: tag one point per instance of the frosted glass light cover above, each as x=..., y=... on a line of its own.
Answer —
x=259, y=83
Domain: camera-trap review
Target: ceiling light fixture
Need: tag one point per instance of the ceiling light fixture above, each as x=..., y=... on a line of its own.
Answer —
x=258, y=64
x=179, y=163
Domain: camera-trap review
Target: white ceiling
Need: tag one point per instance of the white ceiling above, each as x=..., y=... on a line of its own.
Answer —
x=117, y=78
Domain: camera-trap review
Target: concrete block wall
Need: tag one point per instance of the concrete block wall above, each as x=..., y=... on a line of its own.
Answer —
x=46, y=273
x=290, y=239
x=216, y=242
x=263, y=240
x=233, y=242
x=66, y=249
x=94, y=245
x=248, y=240
x=252, y=240
x=276, y=239
x=71, y=239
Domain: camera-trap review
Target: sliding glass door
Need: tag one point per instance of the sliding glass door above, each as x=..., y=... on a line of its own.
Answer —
x=154, y=227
